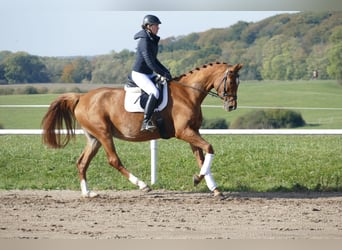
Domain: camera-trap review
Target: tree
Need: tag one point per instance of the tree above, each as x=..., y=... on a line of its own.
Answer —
x=4, y=54
x=317, y=60
x=67, y=73
x=113, y=68
x=81, y=70
x=278, y=68
x=271, y=49
x=77, y=71
x=335, y=55
x=2, y=74
x=24, y=68
x=283, y=59
x=55, y=67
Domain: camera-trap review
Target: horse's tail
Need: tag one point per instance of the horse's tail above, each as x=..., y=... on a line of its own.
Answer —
x=59, y=115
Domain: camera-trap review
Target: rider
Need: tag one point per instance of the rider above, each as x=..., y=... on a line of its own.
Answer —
x=146, y=65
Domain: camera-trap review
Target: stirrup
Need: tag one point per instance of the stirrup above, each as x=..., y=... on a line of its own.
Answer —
x=149, y=125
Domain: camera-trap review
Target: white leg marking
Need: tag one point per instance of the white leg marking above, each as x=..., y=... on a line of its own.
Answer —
x=205, y=169
x=84, y=188
x=136, y=181
x=210, y=182
x=85, y=191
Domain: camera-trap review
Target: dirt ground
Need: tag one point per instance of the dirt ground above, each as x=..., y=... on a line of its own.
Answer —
x=169, y=215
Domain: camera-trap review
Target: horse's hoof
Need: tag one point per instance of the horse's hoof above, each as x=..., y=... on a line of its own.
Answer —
x=146, y=189
x=90, y=194
x=218, y=195
x=196, y=179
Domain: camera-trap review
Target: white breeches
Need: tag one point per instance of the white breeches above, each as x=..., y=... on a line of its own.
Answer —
x=144, y=82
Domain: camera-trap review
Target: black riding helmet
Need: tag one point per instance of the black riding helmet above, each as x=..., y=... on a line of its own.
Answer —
x=150, y=19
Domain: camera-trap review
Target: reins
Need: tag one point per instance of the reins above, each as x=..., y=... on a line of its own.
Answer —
x=191, y=87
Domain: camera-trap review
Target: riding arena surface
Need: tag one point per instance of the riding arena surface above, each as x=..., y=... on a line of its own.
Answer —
x=160, y=214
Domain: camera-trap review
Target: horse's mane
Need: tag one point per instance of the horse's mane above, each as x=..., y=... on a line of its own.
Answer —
x=177, y=78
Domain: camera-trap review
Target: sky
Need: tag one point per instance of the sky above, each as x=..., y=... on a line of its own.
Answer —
x=71, y=28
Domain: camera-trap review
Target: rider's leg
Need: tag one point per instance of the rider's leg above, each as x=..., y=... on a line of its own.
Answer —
x=146, y=84
x=150, y=105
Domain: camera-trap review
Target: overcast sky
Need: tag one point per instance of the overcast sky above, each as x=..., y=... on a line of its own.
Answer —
x=63, y=28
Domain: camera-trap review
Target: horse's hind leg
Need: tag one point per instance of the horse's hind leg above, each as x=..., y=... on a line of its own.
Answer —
x=83, y=162
x=114, y=161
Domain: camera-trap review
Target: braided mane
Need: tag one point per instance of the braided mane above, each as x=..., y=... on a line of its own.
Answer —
x=177, y=78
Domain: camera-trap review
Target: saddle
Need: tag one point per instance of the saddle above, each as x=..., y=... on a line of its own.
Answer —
x=136, y=98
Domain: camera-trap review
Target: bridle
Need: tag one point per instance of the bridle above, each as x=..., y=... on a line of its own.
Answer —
x=225, y=86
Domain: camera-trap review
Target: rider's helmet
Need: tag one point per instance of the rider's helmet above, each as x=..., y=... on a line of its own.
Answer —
x=150, y=19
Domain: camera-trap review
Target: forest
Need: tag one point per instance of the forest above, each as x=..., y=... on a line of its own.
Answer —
x=281, y=47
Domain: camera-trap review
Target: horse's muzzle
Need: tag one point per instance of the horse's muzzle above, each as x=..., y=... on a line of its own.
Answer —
x=231, y=108
x=230, y=105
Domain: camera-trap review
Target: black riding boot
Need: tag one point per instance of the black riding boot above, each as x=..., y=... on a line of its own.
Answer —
x=150, y=105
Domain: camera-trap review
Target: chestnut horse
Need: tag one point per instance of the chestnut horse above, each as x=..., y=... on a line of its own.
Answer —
x=102, y=116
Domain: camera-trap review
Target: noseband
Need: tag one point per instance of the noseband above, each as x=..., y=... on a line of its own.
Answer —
x=225, y=86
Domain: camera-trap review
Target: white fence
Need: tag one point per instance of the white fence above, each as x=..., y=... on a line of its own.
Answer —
x=154, y=144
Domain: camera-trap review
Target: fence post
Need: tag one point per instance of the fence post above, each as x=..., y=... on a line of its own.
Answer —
x=153, y=161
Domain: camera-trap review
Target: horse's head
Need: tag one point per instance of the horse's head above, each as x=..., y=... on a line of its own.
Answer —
x=228, y=87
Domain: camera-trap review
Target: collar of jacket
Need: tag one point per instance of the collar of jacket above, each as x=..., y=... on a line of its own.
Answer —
x=146, y=34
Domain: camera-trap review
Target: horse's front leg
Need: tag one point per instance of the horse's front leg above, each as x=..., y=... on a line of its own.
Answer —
x=198, y=153
x=204, y=164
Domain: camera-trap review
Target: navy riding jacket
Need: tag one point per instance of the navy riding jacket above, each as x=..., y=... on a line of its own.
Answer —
x=146, y=61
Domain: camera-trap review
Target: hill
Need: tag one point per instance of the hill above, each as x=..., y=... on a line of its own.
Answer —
x=282, y=47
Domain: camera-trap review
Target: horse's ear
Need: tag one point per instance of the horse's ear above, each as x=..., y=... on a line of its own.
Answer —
x=238, y=66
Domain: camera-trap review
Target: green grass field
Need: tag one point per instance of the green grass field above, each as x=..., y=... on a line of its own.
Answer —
x=242, y=163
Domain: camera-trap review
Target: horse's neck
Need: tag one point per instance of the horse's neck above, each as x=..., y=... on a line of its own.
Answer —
x=197, y=83
x=203, y=81
x=191, y=89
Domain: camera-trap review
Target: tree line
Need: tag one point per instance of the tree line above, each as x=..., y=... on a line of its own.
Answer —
x=282, y=47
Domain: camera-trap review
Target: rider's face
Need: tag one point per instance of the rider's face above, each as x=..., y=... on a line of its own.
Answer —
x=154, y=28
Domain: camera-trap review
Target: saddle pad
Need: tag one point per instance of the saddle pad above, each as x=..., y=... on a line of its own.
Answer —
x=132, y=100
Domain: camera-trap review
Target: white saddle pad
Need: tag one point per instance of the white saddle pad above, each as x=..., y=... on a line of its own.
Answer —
x=132, y=100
